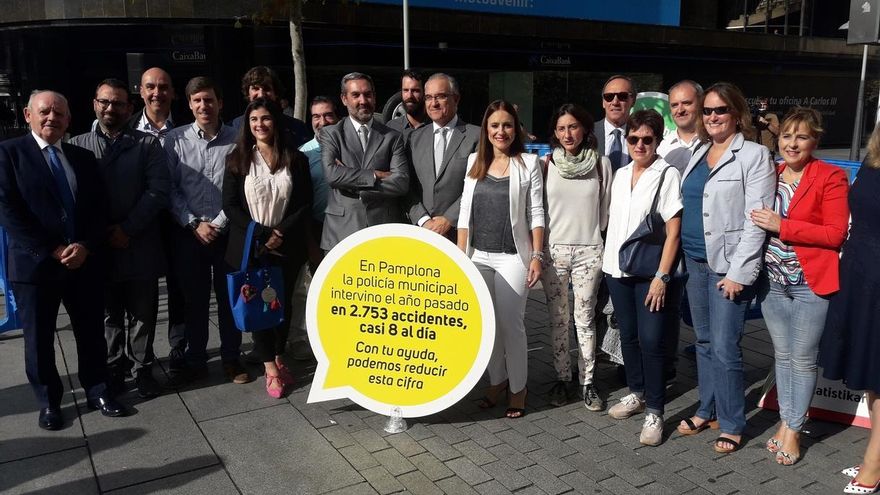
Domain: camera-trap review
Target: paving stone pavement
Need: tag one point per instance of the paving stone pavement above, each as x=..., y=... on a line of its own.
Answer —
x=216, y=437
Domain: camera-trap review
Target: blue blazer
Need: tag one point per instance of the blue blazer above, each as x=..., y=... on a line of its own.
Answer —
x=31, y=210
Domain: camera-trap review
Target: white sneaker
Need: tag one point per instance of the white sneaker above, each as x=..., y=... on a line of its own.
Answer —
x=652, y=430
x=629, y=405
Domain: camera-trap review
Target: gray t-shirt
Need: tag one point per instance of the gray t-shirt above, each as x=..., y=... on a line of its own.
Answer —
x=492, y=231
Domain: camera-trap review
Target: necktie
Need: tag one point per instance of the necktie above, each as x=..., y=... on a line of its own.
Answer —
x=363, y=135
x=64, y=191
x=439, y=148
x=615, y=153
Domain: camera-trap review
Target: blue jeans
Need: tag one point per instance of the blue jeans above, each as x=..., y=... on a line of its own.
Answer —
x=718, y=325
x=795, y=318
x=642, y=339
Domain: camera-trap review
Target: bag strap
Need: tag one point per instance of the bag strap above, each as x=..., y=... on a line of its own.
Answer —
x=248, y=241
x=659, y=187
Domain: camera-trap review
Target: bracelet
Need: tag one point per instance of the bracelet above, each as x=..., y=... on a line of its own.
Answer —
x=538, y=255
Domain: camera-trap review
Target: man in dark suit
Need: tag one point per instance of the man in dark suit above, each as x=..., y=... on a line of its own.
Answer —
x=263, y=82
x=51, y=204
x=618, y=96
x=365, y=166
x=135, y=171
x=438, y=155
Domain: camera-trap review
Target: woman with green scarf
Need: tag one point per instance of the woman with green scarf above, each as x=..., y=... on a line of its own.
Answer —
x=576, y=197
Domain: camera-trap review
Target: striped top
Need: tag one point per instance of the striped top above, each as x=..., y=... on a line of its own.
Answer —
x=782, y=264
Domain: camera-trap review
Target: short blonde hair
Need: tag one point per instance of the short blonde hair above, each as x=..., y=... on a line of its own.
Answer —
x=802, y=115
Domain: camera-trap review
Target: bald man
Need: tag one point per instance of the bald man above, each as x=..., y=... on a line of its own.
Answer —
x=51, y=205
x=157, y=91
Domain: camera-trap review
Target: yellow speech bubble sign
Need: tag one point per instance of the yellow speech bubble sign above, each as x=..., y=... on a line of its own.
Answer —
x=398, y=318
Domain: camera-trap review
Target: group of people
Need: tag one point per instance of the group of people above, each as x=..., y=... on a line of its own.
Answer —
x=89, y=221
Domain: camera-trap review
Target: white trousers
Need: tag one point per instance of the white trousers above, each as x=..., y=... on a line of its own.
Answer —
x=505, y=276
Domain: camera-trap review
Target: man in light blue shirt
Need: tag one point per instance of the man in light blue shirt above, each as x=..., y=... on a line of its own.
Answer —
x=197, y=161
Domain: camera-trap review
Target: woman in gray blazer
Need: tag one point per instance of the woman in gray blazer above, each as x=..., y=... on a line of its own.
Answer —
x=725, y=180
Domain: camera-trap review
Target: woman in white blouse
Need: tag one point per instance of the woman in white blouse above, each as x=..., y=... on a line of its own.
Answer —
x=577, y=190
x=267, y=181
x=639, y=302
x=501, y=227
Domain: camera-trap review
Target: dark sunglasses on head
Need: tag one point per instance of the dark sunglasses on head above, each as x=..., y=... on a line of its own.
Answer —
x=609, y=97
x=633, y=140
x=707, y=111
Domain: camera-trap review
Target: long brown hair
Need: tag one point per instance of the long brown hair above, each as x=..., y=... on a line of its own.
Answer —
x=239, y=160
x=484, y=148
x=739, y=109
x=584, y=119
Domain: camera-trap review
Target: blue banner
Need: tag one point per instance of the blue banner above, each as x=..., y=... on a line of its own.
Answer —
x=661, y=12
x=8, y=316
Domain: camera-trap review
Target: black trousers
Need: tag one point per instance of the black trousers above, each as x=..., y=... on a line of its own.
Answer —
x=130, y=339
x=82, y=292
x=271, y=343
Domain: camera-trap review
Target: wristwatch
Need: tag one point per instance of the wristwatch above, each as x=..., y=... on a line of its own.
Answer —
x=664, y=277
x=193, y=225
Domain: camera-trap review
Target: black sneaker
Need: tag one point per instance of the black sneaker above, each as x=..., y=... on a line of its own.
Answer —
x=558, y=394
x=147, y=386
x=592, y=401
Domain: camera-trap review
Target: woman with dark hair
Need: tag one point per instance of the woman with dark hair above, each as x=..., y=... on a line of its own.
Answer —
x=851, y=341
x=724, y=181
x=501, y=228
x=577, y=190
x=267, y=181
x=807, y=225
x=639, y=301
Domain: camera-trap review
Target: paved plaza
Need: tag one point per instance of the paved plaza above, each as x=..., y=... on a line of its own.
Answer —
x=219, y=438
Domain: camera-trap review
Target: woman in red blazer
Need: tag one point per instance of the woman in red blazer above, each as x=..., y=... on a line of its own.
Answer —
x=807, y=225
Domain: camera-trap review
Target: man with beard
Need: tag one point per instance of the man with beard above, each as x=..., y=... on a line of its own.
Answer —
x=412, y=95
x=618, y=96
x=686, y=104
x=137, y=183
x=365, y=166
x=438, y=154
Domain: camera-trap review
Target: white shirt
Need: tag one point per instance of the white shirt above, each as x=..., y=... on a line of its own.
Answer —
x=676, y=151
x=267, y=194
x=68, y=170
x=438, y=136
x=145, y=126
x=629, y=206
x=609, y=139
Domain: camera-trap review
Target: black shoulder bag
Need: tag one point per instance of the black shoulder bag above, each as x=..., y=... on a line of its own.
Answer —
x=640, y=254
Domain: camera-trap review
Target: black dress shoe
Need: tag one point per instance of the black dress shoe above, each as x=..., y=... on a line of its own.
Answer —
x=107, y=406
x=51, y=418
x=147, y=386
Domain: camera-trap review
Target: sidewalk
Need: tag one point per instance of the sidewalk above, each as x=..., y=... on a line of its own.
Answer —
x=219, y=438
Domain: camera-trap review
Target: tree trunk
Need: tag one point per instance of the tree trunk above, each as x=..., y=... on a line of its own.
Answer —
x=300, y=101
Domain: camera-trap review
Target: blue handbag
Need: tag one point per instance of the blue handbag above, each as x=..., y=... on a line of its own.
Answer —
x=255, y=295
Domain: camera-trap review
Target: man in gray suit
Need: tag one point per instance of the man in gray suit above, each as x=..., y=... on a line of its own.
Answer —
x=618, y=96
x=138, y=185
x=365, y=166
x=438, y=155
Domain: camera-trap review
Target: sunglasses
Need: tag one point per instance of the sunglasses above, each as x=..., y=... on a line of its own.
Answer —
x=609, y=97
x=707, y=111
x=633, y=140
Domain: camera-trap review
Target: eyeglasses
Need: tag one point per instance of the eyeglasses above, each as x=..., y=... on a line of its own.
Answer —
x=707, y=111
x=106, y=103
x=633, y=140
x=622, y=96
x=439, y=97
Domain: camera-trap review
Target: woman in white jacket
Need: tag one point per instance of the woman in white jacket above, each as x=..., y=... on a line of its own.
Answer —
x=501, y=227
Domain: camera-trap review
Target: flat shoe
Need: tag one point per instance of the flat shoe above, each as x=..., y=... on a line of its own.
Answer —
x=725, y=450
x=275, y=393
x=855, y=487
x=693, y=429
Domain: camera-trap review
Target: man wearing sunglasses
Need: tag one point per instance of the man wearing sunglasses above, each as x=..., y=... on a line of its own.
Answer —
x=618, y=96
x=138, y=186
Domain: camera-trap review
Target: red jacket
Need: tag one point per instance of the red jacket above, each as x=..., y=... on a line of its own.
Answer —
x=817, y=224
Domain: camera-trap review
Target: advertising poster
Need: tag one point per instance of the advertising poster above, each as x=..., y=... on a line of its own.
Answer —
x=832, y=401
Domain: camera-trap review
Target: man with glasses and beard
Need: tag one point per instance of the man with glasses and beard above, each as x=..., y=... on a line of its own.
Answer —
x=136, y=178
x=618, y=96
x=412, y=93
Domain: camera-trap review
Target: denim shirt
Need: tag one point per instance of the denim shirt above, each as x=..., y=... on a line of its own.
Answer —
x=197, y=166
x=312, y=150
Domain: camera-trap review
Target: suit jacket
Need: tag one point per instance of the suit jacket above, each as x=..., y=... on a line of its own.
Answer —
x=599, y=132
x=817, y=224
x=435, y=193
x=526, y=203
x=356, y=199
x=743, y=180
x=138, y=185
x=294, y=225
x=31, y=210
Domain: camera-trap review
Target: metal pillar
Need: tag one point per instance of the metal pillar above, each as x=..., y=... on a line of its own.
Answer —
x=855, y=148
x=406, y=34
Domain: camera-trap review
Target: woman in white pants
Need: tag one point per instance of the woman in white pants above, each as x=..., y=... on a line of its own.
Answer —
x=501, y=227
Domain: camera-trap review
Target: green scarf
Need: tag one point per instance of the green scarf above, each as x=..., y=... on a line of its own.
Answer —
x=571, y=166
